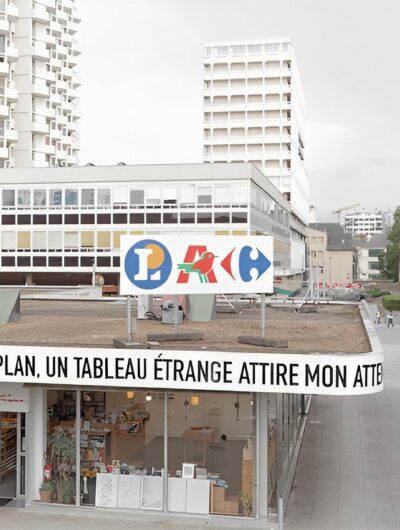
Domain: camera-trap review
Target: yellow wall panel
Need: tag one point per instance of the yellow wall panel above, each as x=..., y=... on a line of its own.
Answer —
x=24, y=240
x=117, y=238
x=104, y=239
x=87, y=239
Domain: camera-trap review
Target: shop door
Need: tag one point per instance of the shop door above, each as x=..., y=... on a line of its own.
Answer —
x=12, y=456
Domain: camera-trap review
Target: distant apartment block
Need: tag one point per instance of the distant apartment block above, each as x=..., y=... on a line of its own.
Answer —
x=38, y=84
x=253, y=112
x=367, y=223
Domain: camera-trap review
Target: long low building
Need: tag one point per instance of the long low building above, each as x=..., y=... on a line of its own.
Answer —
x=60, y=224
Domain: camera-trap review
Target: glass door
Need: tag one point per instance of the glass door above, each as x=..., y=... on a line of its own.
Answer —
x=21, y=455
x=8, y=456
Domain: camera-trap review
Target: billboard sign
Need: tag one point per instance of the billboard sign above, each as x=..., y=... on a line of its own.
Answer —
x=196, y=264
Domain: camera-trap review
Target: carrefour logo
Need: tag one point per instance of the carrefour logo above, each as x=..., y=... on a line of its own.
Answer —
x=148, y=264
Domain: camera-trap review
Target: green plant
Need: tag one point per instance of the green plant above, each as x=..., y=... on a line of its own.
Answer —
x=47, y=485
x=391, y=302
x=374, y=292
x=246, y=502
x=62, y=457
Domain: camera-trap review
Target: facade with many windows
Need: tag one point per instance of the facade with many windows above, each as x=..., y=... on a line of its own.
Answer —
x=254, y=112
x=38, y=83
x=60, y=223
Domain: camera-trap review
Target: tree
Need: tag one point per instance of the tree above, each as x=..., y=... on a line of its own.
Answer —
x=393, y=248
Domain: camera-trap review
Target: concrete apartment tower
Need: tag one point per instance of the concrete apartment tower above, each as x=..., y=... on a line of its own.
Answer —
x=253, y=112
x=38, y=84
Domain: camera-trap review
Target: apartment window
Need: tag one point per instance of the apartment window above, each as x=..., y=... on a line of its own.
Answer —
x=170, y=218
x=120, y=218
x=221, y=217
x=255, y=49
x=8, y=240
x=239, y=195
x=55, y=197
x=103, y=261
x=2, y=44
x=313, y=253
x=8, y=219
x=103, y=197
x=153, y=218
x=71, y=197
x=55, y=219
x=116, y=261
x=23, y=261
x=39, y=197
x=23, y=240
x=204, y=217
x=153, y=197
x=170, y=197
x=8, y=261
x=120, y=196
x=71, y=219
x=187, y=217
x=39, y=241
x=55, y=240
x=55, y=261
x=239, y=217
x=136, y=218
x=222, y=195
x=24, y=197
x=71, y=261
x=87, y=261
x=3, y=6
x=207, y=51
x=8, y=197
x=221, y=51
x=137, y=197
x=71, y=240
x=204, y=195
x=87, y=197
x=103, y=239
x=238, y=50
x=39, y=220
x=103, y=218
x=187, y=196
x=39, y=261
x=87, y=219
x=24, y=219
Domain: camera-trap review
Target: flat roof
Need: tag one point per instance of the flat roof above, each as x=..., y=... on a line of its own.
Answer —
x=331, y=329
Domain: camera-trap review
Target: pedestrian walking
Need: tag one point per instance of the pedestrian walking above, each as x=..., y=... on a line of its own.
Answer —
x=378, y=318
x=390, y=319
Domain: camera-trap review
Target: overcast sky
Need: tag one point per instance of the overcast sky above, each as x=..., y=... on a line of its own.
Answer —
x=141, y=95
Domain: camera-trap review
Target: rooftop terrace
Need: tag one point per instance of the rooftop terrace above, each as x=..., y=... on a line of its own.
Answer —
x=332, y=329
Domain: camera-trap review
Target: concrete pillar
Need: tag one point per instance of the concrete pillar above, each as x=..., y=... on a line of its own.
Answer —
x=145, y=303
x=35, y=443
x=262, y=454
x=28, y=278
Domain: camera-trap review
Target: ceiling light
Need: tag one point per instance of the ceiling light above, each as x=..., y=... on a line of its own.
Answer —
x=149, y=397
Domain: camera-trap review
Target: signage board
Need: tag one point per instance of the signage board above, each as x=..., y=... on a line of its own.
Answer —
x=193, y=370
x=196, y=264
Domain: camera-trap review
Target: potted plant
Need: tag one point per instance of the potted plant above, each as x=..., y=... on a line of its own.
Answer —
x=246, y=503
x=46, y=490
x=62, y=456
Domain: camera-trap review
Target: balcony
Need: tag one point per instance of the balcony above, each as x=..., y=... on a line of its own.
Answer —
x=40, y=127
x=12, y=12
x=39, y=88
x=72, y=126
x=4, y=27
x=50, y=40
x=4, y=110
x=67, y=38
x=48, y=112
x=55, y=99
x=11, y=93
x=11, y=52
x=49, y=76
x=3, y=150
x=73, y=26
x=39, y=51
x=55, y=28
x=48, y=149
x=55, y=134
x=72, y=160
x=4, y=67
x=40, y=14
x=10, y=135
x=61, y=50
x=56, y=64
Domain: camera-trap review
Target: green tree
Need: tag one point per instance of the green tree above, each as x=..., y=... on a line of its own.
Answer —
x=393, y=248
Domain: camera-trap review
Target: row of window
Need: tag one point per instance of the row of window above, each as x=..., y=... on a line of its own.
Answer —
x=243, y=49
x=185, y=195
x=59, y=261
x=123, y=218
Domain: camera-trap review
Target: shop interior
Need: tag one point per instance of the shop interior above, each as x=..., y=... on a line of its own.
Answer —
x=210, y=443
x=8, y=456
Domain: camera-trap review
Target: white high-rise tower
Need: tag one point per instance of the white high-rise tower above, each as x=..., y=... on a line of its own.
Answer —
x=253, y=112
x=38, y=83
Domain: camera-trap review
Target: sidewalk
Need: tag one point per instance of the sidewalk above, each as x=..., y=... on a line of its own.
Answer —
x=348, y=474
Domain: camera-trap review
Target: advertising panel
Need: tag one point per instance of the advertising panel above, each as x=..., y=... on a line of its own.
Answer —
x=193, y=370
x=196, y=264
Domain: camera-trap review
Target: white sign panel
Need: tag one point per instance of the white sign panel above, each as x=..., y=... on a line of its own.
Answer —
x=194, y=370
x=196, y=264
x=13, y=397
